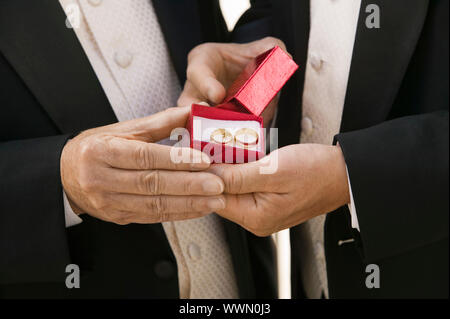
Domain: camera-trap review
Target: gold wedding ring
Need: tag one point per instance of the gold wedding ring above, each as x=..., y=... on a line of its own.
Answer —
x=245, y=141
x=241, y=137
x=221, y=136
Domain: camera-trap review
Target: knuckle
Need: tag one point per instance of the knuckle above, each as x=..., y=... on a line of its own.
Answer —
x=192, y=53
x=92, y=148
x=269, y=42
x=108, y=148
x=199, y=48
x=99, y=142
x=273, y=40
x=157, y=207
x=151, y=183
x=234, y=180
x=269, y=39
x=187, y=186
x=86, y=149
x=143, y=157
x=191, y=204
x=86, y=182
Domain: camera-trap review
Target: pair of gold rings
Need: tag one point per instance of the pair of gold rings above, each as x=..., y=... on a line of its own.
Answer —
x=223, y=136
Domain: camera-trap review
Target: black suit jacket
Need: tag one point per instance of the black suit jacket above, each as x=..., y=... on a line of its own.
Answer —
x=48, y=92
x=394, y=136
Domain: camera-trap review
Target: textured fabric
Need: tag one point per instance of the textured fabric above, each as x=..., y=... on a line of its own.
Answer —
x=129, y=31
x=330, y=48
x=200, y=249
x=125, y=46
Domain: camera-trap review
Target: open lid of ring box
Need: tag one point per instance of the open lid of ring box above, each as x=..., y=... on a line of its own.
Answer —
x=233, y=132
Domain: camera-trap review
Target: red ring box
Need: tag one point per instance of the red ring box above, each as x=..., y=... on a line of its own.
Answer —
x=247, y=98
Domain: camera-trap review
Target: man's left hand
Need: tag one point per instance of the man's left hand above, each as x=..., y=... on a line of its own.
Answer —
x=310, y=180
x=212, y=68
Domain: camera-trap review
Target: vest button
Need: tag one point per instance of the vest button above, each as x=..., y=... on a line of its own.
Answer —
x=316, y=61
x=95, y=2
x=194, y=251
x=123, y=58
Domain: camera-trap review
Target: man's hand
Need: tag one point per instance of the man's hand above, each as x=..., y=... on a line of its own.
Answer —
x=116, y=174
x=212, y=68
x=311, y=180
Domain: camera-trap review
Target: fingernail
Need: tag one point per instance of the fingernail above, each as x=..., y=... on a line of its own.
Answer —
x=216, y=204
x=212, y=187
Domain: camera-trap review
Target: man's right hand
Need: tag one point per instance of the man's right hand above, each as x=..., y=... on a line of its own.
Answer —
x=116, y=173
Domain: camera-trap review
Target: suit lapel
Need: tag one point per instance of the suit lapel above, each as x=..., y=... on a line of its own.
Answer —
x=50, y=60
x=237, y=240
x=292, y=26
x=380, y=59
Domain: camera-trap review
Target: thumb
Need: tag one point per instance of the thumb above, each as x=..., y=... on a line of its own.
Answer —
x=155, y=127
x=241, y=178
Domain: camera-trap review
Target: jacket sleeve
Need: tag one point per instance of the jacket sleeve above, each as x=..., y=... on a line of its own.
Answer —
x=400, y=182
x=33, y=244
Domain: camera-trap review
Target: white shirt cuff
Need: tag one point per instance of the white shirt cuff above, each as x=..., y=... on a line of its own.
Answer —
x=72, y=219
x=351, y=206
